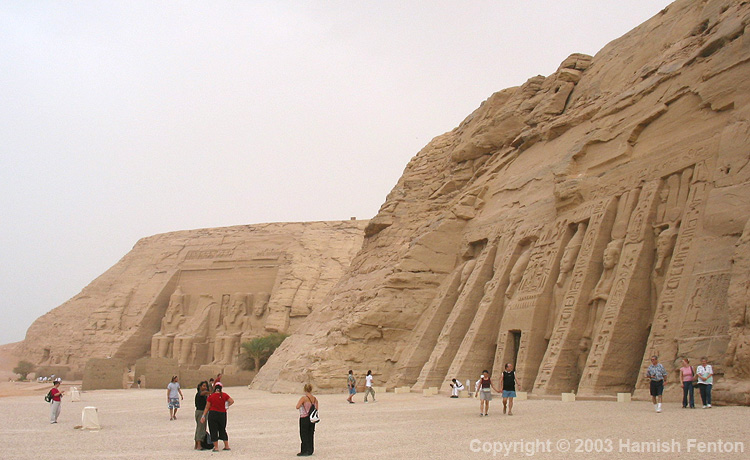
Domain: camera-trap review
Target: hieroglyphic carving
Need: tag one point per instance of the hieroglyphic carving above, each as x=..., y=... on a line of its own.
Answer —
x=477, y=347
x=208, y=254
x=527, y=310
x=558, y=371
x=662, y=327
x=624, y=323
x=619, y=181
x=461, y=316
x=516, y=273
x=738, y=350
x=706, y=306
x=601, y=292
x=570, y=255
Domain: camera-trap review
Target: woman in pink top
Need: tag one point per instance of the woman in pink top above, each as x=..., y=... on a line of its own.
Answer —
x=687, y=375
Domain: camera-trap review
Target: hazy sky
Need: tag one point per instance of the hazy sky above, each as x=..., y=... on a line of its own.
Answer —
x=124, y=119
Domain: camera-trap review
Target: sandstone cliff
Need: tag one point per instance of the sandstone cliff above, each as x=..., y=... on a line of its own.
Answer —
x=195, y=295
x=574, y=225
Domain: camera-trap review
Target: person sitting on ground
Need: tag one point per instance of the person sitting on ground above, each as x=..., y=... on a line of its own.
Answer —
x=456, y=387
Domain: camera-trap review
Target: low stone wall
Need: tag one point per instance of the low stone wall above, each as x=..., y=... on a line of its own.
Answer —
x=189, y=378
x=104, y=374
x=156, y=372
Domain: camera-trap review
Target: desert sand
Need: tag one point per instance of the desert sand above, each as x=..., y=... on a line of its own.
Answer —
x=135, y=424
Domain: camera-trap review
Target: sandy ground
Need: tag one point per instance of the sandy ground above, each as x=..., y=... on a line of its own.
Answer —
x=135, y=424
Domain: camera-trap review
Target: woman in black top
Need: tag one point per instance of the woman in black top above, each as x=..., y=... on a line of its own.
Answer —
x=200, y=405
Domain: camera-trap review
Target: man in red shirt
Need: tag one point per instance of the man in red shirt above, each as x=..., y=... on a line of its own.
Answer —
x=56, y=401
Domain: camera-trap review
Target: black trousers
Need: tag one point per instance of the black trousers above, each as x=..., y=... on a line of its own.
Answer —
x=217, y=426
x=306, y=435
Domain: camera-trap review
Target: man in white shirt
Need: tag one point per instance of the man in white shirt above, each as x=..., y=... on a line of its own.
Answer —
x=705, y=374
x=174, y=394
x=368, y=386
x=456, y=387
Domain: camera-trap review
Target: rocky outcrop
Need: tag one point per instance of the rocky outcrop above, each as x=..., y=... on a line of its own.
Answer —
x=194, y=296
x=574, y=225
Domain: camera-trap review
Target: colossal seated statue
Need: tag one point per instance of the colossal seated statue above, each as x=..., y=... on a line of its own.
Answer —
x=226, y=345
x=170, y=324
x=194, y=330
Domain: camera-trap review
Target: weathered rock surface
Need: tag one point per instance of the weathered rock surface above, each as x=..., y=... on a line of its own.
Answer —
x=574, y=225
x=195, y=295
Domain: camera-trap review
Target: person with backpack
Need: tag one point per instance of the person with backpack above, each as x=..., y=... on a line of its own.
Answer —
x=216, y=409
x=306, y=405
x=55, y=396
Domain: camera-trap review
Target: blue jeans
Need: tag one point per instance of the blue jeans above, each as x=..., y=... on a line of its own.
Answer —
x=687, y=389
x=705, y=393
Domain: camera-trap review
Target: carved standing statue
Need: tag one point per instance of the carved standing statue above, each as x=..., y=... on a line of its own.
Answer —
x=516, y=273
x=466, y=272
x=601, y=292
x=665, y=242
x=584, y=346
x=228, y=336
x=568, y=261
x=170, y=324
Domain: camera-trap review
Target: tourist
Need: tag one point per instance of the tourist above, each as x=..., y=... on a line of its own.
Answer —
x=484, y=391
x=216, y=407
x=705, y=375
x=218, y=378
x=456, y=387
x=306, y=427
x=174, y=394
x=657, y=376
x=687, y=375
x=351, y=383
x=210, y=385
x=510, y=380
x=201, y=395
x=368, y=386
x=56, y=402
